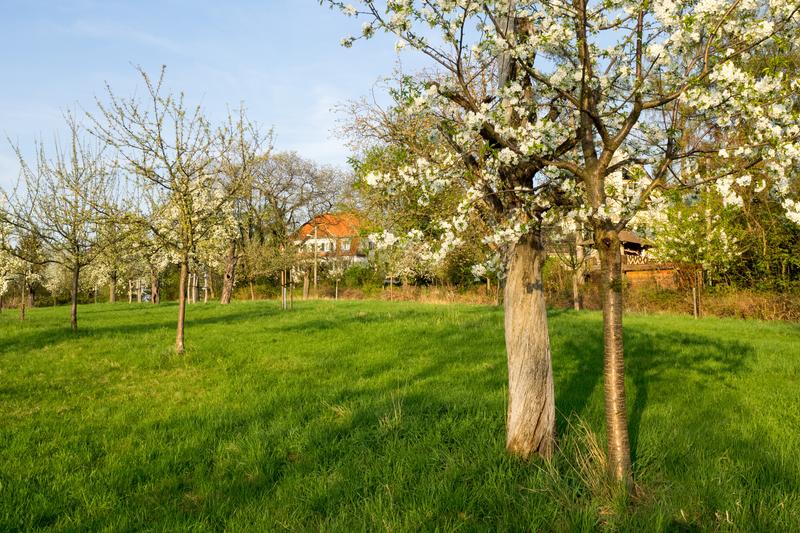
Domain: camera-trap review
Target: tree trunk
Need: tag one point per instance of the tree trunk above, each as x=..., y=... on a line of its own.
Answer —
x=73, y=322
x=229, y=277
x=22, y=301
x=139, y=291
x=130, y=291
x=182, y=282
x=252, y=290
x=154, y=292
x=306, y=282
x=531, y=403
x=696, y=277
x=336, y=293
x=577, y=274
x=283, y=289
x=619, y=453
x=31, y=294
x=205, y=287
x=112, y=290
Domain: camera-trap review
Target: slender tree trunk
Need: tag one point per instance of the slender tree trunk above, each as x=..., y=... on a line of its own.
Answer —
x=229, y=277
x=205, y=287
x=154, y=286
x=316, y=261
x=31, y=294
x=531, y=403
x=696, y=279
x=619, y=453
x=138, y=291
x=306, y=282
x=182, y=286
x=252, y=290
x=130, y=291
x=284, y=282
x=76, y=272
x=22, y=301
x=577, y=274
x=336, y=293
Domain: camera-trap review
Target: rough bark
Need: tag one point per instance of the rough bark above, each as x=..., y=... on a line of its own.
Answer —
x=73, y=316
x=619, y=453
x=229, y=277
x=182, y=286
x=531, y=404
x=112, y=290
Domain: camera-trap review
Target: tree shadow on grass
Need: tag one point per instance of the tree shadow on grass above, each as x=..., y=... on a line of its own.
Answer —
x=36, y=336
x=344, y=443
x=652, y=359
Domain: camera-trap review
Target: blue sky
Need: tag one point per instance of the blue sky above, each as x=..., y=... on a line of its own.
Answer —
x=282, y=58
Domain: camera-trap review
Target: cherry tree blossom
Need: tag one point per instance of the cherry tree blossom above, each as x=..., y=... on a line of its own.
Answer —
x=588, y=123
x=173, y=154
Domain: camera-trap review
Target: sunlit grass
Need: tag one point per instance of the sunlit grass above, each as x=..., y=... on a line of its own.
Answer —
x=379, y=415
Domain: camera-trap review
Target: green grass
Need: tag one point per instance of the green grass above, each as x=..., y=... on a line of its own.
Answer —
x=354, y=416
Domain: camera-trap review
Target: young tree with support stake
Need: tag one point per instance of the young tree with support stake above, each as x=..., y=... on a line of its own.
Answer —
x=592, y=101
x=174, y=155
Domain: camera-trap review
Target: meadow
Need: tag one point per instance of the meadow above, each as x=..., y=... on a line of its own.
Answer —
x=351, y=416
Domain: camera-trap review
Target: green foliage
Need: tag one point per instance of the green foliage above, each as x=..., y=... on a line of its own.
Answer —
x=753, y=245
x=358, y=276
x=351, y=416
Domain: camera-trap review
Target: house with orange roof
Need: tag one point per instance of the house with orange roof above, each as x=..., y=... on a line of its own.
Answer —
x=334, y=236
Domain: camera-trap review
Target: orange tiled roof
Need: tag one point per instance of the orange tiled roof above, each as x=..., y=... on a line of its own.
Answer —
x=331, y=225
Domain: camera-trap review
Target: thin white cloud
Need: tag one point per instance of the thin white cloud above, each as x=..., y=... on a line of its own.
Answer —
x=107, y=30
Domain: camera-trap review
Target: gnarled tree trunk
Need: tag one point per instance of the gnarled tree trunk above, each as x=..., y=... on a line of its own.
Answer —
x=182, y=286
x=619, y=453
x=531, y=402
x=229, y=277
